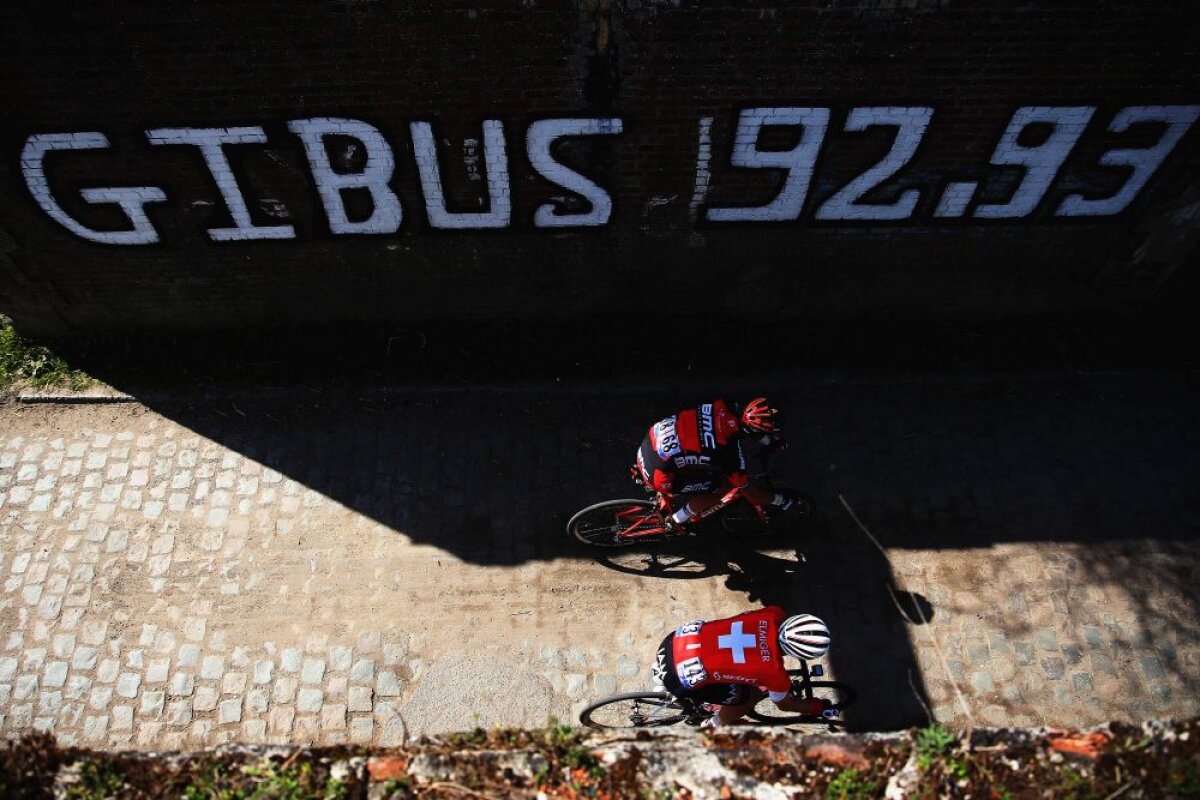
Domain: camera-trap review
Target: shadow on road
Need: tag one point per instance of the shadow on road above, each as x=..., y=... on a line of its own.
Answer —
x=1107, y=462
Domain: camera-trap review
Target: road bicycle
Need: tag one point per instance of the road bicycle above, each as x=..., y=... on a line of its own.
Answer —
x=626, y=522
x=621, y=523
x=659, y=709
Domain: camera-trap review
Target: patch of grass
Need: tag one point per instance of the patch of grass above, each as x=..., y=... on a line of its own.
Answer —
x=559, y=734
x=933, y=744
x=853, y=784
x=98, y=780
x=336, y=790
x=212, y=784
x=1076, y=786
x=264, y=781
x=23, y=363
x=399, y=789
x=582, y=759
x=273, y=782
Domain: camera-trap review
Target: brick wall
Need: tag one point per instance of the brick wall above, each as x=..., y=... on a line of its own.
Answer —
x=217, y=165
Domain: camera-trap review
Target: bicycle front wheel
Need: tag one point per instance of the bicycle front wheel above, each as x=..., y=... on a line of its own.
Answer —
x=840, y=695
x=743, y=520
x=618, y=523
x=633, y=710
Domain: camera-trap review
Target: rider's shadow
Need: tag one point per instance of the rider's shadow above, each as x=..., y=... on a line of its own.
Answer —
x=829, y=568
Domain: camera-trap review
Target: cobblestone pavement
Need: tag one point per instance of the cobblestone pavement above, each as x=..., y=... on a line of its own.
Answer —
x=373, y=568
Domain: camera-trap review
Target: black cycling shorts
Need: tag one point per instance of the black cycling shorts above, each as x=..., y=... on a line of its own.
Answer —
x=725, y=694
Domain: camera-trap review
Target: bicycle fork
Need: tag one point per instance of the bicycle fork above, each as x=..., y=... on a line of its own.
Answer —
x=806, y=676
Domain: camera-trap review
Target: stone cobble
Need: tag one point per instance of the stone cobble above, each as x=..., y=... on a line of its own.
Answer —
x=186, y=576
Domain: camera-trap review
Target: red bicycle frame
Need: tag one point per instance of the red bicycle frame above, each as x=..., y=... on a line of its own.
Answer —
x=651, y=523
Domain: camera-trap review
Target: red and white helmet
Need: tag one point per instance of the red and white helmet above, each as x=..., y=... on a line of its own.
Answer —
x=759, y=417
x=804, y=636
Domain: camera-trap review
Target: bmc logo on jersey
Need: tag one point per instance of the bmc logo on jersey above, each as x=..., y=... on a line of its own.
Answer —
x=692, y=461
x=706, y=426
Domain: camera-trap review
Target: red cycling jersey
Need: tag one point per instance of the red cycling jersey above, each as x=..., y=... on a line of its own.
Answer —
x=736, y=650
x=684, y=452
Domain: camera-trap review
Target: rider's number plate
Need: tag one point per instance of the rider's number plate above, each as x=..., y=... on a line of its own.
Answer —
x=691, y=672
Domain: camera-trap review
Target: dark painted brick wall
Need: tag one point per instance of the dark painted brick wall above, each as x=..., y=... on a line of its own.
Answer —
x=660, y=67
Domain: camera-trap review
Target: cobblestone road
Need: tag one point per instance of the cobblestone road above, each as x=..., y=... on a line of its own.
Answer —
x=359, y=570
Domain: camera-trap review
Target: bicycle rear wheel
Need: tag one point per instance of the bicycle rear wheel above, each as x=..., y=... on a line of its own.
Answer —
x=840, y=695
x=618, y=523
x=633, y=710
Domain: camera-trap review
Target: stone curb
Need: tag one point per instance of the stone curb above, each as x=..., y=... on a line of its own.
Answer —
x=727, y=764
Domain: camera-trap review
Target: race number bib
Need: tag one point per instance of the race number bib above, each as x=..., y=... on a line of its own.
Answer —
x=689, y=628
x=691, y=672
x=666, y=438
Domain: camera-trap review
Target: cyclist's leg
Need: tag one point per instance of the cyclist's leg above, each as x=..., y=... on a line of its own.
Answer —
x=737, y=703
x=761, y=494
x=697, y=496
x=800, y=705
x=758, y=493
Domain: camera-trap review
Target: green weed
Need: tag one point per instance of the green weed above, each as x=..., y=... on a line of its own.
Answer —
x=581, y=758
x=281, y=784
x=1076, y=786
x=933, y=743
x=853, y=784
x=97, y=781
x=558, y=734
x=336, y=790
x=25, y=363
x=265, y=781
x=398, y=788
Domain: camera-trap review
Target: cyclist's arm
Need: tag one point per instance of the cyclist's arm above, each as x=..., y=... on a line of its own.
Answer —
x=733, y=463
x=778, y=685
x=662, y=482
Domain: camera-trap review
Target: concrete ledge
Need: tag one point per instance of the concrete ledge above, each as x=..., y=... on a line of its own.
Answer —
x=99, y=394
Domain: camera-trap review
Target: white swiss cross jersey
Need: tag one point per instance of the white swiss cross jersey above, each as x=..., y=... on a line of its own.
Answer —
x=737, y=650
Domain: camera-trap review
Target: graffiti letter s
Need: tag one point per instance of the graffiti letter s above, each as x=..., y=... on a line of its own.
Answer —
x=131, y=199
x=538, y=140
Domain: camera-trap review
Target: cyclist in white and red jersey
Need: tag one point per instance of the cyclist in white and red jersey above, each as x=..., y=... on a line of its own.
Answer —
x=694, y=457
x=730, y=662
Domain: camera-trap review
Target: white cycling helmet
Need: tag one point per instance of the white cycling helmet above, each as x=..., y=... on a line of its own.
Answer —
x=804, y=636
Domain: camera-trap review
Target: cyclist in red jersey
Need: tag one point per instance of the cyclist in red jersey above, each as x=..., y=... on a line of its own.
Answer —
x=694, y=457
x=730, y=662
